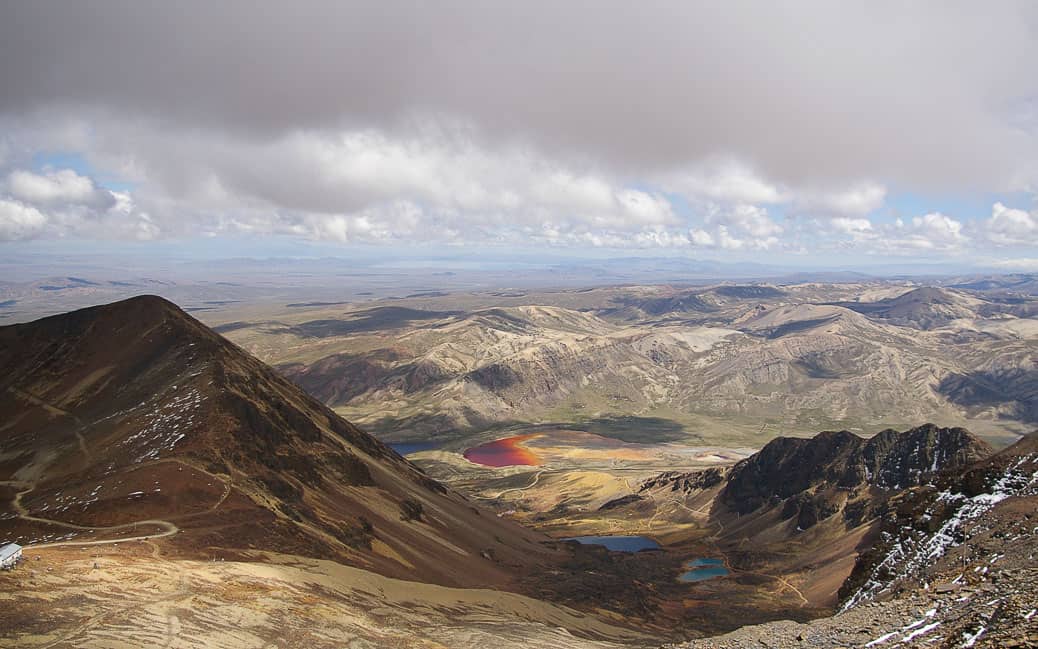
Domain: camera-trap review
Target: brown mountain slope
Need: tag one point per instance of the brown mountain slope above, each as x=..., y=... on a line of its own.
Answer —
x=953, y=566
x=133, y=419
x=816, y=470
x=803, y=509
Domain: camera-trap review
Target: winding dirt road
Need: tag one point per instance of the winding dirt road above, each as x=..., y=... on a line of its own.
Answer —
x=170, y=528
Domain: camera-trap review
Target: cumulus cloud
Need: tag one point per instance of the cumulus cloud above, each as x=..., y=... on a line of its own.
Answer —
x=345, y=186
x=1009, y=227
x=732, y=182
x=57, y=187
x=934, y=231
x=740, y=227
x=753, y=220
x=63, y=203
x=444, y=185
x=725, y=181
x=19, y=221
x=916, y=236
x=851, y=226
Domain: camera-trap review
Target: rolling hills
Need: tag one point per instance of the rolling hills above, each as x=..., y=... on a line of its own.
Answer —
x=729, y=364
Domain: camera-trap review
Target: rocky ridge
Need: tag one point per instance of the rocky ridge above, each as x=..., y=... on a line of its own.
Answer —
x=954, y=565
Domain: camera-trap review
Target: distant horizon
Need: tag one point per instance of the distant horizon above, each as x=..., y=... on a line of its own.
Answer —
x=39, y=260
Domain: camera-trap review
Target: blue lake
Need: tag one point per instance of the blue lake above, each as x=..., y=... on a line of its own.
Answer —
x=406, y=448
x=618, y=543
x=703, y=569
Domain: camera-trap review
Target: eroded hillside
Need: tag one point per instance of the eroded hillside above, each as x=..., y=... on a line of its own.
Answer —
x=735, y=364
x=134, y=416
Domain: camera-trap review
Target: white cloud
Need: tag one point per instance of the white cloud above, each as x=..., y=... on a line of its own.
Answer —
x=930, y=232
x=857, y=200
x=395, y=221
x=349, y=186
x=727, y=182
x=645, y=208
x=19, y=221
x=62, y=203
x=572, y=192
x=1008, y=226
x=447, y=185
x=753, y=220
x=739, y=227
x=701, y=238
x=734, y=183
x=56, y=187
x=850, y=226
x=450, y=140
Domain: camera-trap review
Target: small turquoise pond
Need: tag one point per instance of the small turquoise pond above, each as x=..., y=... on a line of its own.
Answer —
x=618, y=543
x=703, y=569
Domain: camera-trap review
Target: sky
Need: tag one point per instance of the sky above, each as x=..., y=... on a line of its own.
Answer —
x=804, y=133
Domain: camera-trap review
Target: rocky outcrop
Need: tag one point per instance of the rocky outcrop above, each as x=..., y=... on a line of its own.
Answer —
x=805, y=476
x=952, y=562
x=686, y=482
x=922, y=524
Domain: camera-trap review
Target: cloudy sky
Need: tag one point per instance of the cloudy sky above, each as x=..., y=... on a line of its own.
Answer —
x=826, y=132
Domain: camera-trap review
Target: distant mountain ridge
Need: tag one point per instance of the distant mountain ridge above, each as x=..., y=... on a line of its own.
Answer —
x=725, y=361
x=927, y=307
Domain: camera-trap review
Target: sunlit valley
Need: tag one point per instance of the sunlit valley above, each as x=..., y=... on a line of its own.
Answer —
x=464, y=326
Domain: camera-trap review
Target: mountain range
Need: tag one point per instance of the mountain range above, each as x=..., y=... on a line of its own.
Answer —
x=144, y=458
x=730, y=364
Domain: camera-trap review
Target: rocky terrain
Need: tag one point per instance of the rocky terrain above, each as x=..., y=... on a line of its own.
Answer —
x=953, y=566
x=134, y=416
x=813, y=479
x=805, y=510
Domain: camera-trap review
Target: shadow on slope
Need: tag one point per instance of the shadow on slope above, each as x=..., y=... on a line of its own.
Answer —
x=1015, y=387
x=379, y=318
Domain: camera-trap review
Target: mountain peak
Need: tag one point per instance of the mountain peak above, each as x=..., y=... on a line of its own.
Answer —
x=137, y=411
x=926, y=295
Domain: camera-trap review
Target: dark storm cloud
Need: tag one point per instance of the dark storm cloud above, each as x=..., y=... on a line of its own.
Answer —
x=932, y=95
